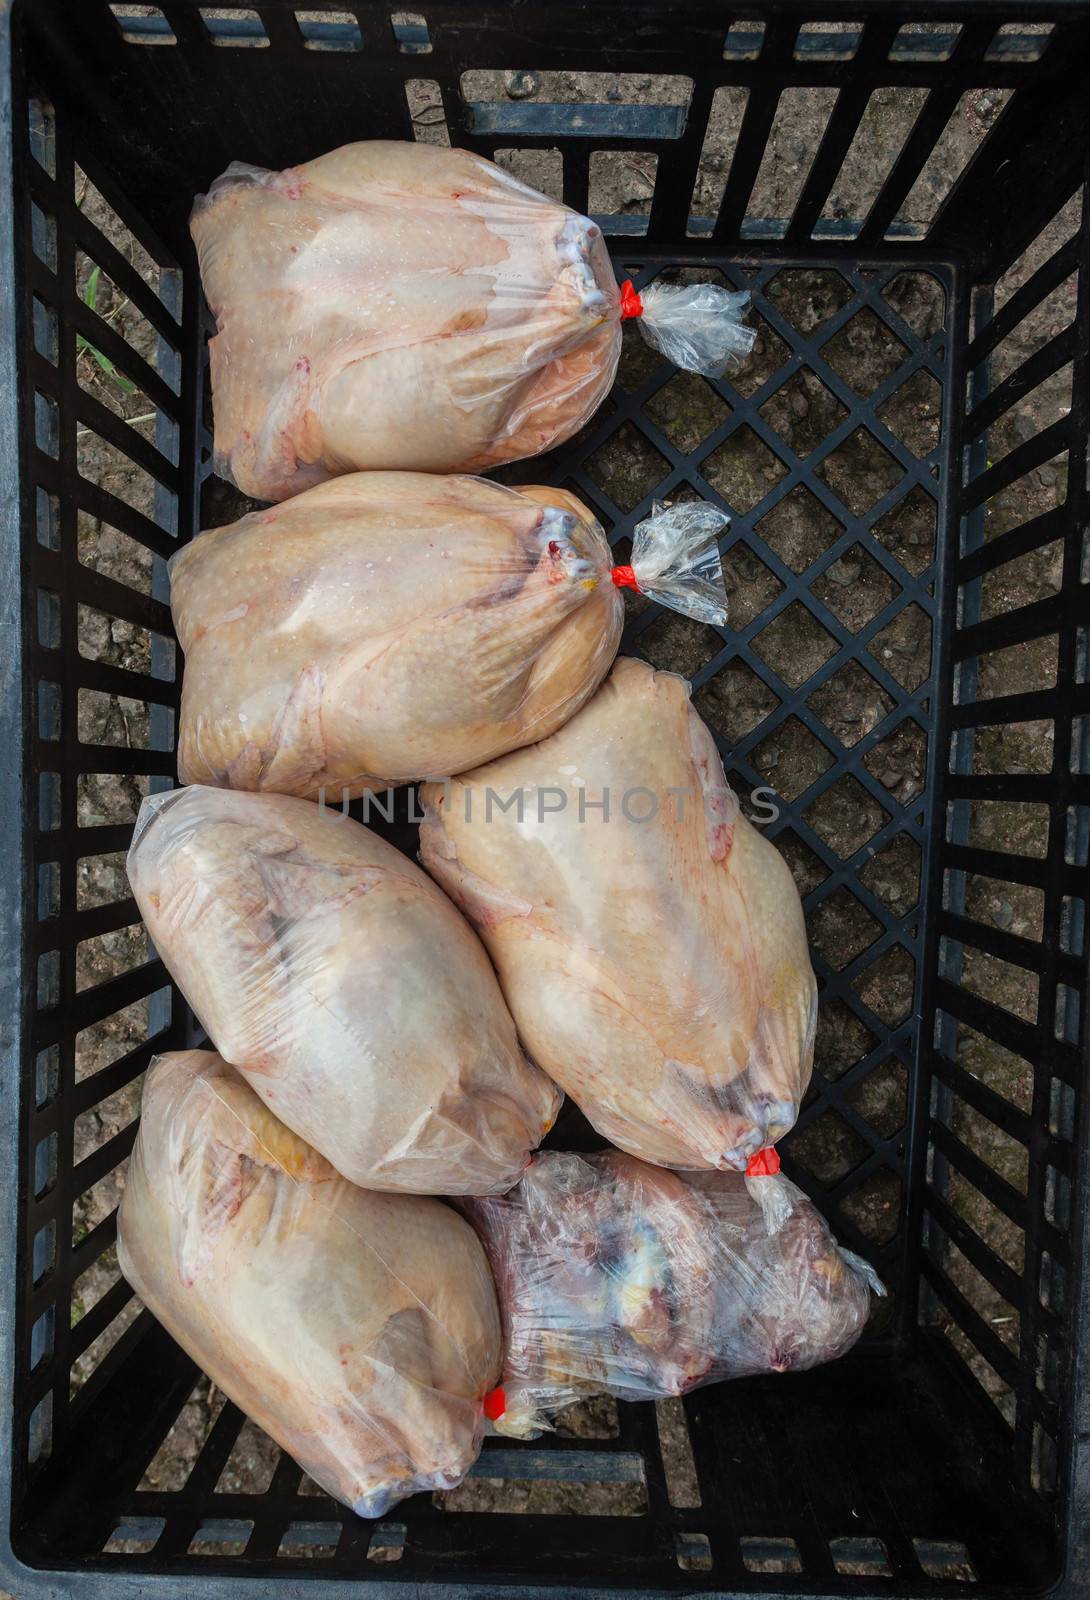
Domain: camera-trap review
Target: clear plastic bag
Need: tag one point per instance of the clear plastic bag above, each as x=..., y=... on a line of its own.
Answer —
x=359, y=1330
x=675, y=559
x=397, y=306
x=333, y=974
x=388, y=627
x=649, y=939
x=393, y=306
x=617, y=1277
x=697, y=326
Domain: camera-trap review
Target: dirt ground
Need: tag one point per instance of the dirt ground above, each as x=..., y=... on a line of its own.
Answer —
x=735, y=702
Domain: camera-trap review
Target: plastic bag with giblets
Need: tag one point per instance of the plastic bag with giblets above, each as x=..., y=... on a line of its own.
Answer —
x=616, y=1277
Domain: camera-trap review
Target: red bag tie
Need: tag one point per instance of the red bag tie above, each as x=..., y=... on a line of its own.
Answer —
x=624, y=578
x=495, y=1404
x=631, y=304
x=765, y=1164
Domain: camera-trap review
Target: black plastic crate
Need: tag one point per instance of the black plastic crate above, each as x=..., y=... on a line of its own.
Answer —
x=875, y=547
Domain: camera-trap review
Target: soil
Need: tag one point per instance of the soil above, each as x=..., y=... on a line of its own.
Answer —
x=853, y=591
x=113, y=721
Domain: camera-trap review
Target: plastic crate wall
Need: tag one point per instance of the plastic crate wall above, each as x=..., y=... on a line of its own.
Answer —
x=105, y=100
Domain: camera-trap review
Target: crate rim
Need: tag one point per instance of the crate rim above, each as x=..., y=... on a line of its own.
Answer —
x=743, y=11
x=12, y=790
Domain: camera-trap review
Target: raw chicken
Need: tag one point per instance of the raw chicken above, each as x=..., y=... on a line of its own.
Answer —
x=396, y=305
x=359, y=1330
x=391, y=626
x=654, y=958
x=344, y=985
x=605, y=1276
x=616, y=1277
x=386, y=627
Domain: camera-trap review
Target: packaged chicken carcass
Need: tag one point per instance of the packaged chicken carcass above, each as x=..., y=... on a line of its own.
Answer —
x=649, y=940
x=616, y=1277
x=400, y=306
x=359, y=1330
x=391, y=626
x=343, y=984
